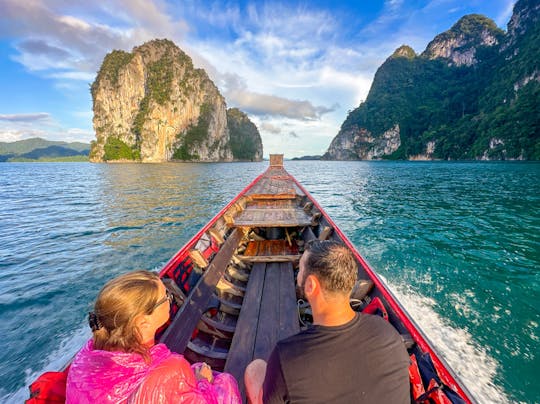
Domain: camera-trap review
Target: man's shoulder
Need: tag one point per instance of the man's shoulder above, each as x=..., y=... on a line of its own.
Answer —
x=375, y=324
x=296, y=338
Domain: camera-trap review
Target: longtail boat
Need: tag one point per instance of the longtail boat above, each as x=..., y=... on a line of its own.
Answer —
x=235, y=296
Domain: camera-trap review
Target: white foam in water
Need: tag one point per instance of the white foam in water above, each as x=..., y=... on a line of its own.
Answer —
x=56, y=360
x=468, y=360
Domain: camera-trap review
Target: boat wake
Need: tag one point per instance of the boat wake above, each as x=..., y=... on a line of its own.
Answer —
x=471, y=362
x=56, y=360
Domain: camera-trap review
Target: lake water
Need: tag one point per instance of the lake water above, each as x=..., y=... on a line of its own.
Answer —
x=457, y=243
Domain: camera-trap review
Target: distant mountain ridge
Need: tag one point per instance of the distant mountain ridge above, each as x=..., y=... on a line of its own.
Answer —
x=474, y=93
x=42, y=149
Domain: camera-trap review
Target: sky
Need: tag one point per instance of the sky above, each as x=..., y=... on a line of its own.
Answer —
x=295, y=67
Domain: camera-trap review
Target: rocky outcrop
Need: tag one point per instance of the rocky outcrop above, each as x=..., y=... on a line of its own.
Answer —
x=460, y=43
x=404, y=51
x=526, y=14
x=246, y=143
x=152, y=105
x=428, y=153
x=359, y=144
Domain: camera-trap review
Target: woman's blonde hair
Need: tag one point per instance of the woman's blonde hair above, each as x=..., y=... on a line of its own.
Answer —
x=118, y=304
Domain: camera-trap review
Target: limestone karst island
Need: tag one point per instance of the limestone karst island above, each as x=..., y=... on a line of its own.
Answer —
x=152, y=105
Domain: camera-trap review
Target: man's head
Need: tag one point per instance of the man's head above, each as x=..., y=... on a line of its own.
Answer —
x=332, y=263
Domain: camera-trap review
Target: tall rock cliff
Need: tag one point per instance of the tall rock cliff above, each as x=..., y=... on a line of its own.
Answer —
x=474, y=93
x=152, y=105
x=246, y=143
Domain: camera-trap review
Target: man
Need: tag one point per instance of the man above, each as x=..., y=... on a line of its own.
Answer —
x=345, y=357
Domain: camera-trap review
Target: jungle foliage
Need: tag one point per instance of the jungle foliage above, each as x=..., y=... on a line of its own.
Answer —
x=461, y=108
x=194, y=135
x=116, y=149
x=245, y=139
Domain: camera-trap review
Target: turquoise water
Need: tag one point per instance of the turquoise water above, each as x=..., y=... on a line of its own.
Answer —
x=457, y=243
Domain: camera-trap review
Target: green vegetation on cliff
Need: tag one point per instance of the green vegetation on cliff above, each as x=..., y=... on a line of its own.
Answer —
x=194, y=135
x=488, y=109
x=153, y=105
x=244, y=136
x=110, y=68
x=115, y=149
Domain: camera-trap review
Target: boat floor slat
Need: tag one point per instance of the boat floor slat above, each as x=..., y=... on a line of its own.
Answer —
x=206, y=351
x=269, y=313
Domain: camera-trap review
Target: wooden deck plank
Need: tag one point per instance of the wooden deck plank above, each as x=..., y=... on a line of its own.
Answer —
x=268, y=326
x=288, y=309
x=242, y=346
x=253, y=217
x=273, y=258
x=276, y=183
x=271, y=204
x=268, y=314
x=184, y=322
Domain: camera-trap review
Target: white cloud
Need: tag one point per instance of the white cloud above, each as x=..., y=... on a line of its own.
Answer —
x=265, y=105
x=31, y=117
x=39, y=124
x=77, y=135
x=12, y=135
x=60, y=134
x=73, y=47
x=269, y=128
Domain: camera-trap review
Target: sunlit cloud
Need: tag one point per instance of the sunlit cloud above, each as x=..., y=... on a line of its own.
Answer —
x=55, y=42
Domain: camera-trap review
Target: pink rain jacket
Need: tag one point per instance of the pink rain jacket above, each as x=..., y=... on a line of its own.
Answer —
x=97, y=376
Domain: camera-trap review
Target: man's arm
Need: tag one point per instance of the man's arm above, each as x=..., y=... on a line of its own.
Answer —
x=275, y=387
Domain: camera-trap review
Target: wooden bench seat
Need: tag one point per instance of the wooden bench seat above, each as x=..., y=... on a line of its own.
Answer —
x=270, y=251
x=269, y=314
x=261, y=217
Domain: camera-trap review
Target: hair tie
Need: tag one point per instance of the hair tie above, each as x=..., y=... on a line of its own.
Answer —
x=93, y=321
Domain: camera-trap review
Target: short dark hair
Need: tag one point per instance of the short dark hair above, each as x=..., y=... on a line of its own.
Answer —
x=333, y=264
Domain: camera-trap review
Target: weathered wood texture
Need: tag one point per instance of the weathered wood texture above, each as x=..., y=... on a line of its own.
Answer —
x=275, y=184
x=253, y=217
x=269, y=314
x=270, y=247
x=271, y=251
x=272, y=213
x=181, y=328
x=276, y=160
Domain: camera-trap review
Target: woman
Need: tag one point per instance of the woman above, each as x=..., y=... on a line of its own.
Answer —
x=121, y=362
